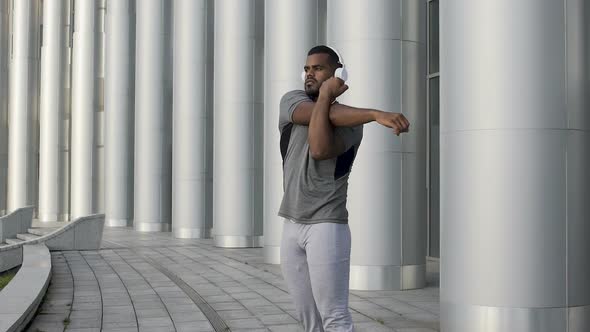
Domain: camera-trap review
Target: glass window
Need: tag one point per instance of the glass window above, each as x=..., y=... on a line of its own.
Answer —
x=434, y=130
x=434, y=209
x=433, y=33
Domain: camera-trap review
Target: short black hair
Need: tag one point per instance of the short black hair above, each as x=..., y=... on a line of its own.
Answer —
x=323, y=49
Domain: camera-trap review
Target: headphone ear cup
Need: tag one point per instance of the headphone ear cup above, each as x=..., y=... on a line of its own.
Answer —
x=303, y=76
x=341, y=73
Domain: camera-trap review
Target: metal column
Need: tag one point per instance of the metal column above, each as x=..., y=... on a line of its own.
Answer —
x=99, y=115
x=292, y=28
x=383, y=46
x=52, y=110
x=84, y=77
x=119, y=106
x=515, y=154
x=65, y=149
x=238, y=121
x=153, y=106
x=191, y=199
x=23, y=106
x=4, y=55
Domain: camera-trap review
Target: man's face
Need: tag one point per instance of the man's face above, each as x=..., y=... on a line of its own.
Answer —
x=318, y=68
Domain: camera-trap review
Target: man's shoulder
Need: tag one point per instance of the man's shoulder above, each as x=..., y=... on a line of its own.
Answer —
x=288, y=104
x=293, y=94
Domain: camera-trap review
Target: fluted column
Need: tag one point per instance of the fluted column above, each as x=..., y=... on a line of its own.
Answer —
x=65, y=149
x=382, y=43
x=23, y=105
x=84, y=102
x=191, y=171
x=119, y=110
x=238, y=121
x=53, y=71
x=4, y=55
x=99, y=115
x=292, y=28
x=153, y=106
x=515, y=154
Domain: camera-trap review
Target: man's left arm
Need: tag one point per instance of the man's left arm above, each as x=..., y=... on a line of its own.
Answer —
x=347, y=116
x=325, y=115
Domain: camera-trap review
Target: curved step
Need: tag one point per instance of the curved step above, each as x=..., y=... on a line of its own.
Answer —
x=18, y=221
x=13, y=241
x=42, y=231
x=84, y=233
x=21, y=297
x=26, y=236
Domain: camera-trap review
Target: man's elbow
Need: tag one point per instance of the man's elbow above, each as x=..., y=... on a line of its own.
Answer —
x=320, y=155
x=338, y=118
x=333, y=116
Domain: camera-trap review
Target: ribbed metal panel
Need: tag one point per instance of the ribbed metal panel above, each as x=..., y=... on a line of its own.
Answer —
x=238, y=122
x=191, y=203
x=514, y=144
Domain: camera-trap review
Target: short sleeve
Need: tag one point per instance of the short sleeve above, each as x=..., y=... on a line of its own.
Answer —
x=350, y=136
x=288, y=105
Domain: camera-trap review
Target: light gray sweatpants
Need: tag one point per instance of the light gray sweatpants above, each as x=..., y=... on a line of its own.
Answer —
x=315, y=260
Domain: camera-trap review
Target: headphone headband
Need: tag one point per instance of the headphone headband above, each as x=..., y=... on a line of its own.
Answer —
x=341, y=72
x=340, y=61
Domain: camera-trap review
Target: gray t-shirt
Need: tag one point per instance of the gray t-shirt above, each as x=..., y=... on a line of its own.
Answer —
x=315, y=190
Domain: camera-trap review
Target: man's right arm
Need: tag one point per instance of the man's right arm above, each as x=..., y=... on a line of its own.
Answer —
x=348, y=116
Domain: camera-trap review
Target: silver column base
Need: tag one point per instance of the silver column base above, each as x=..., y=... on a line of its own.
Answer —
x=469, y=318
x=272, y=254
x=47, y=217
x=192, y=233
x=151, y=227
x=234, y=241
x=390, y=277
x=116, y=222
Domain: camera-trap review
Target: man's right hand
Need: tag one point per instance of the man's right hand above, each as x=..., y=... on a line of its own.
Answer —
x=396, y=121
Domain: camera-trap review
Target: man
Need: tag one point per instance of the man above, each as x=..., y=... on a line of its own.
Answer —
x=319, y=141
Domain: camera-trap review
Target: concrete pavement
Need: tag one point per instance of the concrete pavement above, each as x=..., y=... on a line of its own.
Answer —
x=154, y=282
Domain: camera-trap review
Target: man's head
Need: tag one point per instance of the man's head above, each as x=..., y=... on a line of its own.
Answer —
x=321, y=63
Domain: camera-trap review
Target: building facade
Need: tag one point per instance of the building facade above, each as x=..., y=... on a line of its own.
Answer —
x=163, y=115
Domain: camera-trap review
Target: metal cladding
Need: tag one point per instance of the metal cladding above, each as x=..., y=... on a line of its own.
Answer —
x=118, y=108
x=85, y=67
x=386, y=57
x=238, y=123
x=153, y=116
x=65, y=150
x=98, y=114
x=288, y=38
x=52, y=109
x=4, y=55
x=23, y=104
x=99, y=177
x=192, y=136
x=515, y=127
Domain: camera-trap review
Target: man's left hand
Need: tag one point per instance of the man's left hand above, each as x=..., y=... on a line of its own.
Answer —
x=333, y=88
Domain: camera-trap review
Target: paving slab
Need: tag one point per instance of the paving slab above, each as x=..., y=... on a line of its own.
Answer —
x=154, y=282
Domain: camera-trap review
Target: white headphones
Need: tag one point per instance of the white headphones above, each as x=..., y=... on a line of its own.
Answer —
x=341, y=72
